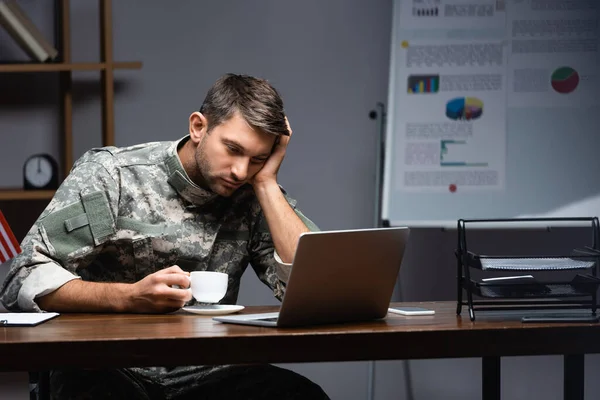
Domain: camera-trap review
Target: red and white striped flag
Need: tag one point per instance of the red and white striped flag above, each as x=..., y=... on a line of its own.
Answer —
x=9, y=247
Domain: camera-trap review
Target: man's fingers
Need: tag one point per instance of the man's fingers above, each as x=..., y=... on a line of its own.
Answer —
x=181, y=280
x=174, y=269
x=283, y=142
x=287, y=124
x=176, y=294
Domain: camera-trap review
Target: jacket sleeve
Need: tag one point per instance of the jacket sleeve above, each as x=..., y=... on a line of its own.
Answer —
x=77, y=220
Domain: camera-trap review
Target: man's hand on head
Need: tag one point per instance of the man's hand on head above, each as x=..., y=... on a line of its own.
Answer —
x=163, y=291
x=268, y=173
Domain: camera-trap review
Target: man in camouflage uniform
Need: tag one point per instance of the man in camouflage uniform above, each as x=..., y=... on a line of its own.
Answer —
x=127, y=226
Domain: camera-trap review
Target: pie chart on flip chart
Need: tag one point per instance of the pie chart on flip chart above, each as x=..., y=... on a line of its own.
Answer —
x=564, y=80
x=464, y=108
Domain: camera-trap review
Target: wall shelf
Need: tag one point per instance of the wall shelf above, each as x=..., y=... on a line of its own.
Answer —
x=57, y=67
x=20, y=194
x=22, y=207
x=64, y=69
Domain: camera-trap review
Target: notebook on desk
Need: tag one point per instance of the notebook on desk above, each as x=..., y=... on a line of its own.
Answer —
x=25, y=319
x=336, y=277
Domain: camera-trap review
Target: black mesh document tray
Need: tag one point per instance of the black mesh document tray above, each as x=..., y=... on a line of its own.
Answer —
x=507, y=293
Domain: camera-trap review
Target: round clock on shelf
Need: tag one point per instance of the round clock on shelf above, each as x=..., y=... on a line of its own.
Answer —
x=40, y=171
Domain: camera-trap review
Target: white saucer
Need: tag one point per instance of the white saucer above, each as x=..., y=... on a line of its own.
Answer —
x=214, y=309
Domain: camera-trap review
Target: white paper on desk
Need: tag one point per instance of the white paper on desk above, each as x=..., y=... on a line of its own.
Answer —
x=25, y=319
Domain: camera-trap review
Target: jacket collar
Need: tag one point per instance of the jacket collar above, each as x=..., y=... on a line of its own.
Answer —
x=180, y=180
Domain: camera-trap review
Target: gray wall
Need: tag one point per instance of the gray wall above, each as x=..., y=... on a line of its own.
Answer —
x=329, y=59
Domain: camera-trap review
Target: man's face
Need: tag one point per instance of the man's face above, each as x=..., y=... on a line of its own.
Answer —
x=231, y=154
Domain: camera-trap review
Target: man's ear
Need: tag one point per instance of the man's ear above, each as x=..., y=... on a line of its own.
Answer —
x=198, y=126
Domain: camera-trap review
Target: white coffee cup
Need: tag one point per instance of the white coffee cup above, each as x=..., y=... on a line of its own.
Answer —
x=208, y=286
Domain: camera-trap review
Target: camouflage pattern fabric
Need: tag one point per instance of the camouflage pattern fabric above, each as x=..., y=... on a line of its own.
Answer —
x=124, y=213
x=224, y=382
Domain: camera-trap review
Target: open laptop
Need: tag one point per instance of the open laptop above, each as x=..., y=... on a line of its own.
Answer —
x=337, y=276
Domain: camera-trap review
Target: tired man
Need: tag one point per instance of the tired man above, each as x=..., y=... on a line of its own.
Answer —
x=128, y=225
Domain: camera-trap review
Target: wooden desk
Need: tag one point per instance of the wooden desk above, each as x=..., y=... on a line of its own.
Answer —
x=110, y=340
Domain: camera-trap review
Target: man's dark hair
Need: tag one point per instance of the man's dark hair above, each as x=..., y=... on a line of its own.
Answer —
x=255, y=99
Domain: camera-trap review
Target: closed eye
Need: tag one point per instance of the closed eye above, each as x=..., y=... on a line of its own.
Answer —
x=234, y=149
x=258, y=160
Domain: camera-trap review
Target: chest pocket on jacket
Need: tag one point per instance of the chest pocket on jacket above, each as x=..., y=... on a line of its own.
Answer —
x=152, y=246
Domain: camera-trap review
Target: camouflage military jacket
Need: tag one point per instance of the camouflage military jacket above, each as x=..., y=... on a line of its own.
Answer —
x=124, y=213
